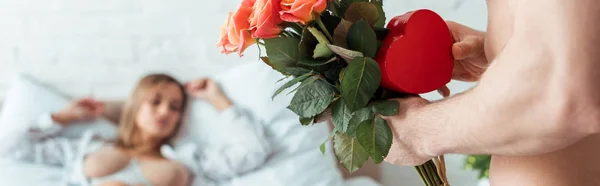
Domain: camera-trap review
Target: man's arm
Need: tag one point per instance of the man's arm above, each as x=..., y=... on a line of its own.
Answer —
x=539, y=95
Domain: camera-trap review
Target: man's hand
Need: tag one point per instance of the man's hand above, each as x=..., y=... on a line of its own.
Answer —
x=407, y=146
x=469, y=52
x=79, y=110
x=470, y=61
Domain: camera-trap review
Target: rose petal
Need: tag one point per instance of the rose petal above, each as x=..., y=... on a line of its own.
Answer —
x=246, y=42
x=287, y=17
x=266, y=25
x=320, y=6
x=301, y=14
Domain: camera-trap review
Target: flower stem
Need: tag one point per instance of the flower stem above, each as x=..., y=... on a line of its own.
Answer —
x=421, y=174
x=323, y=28
x=429, y=174
x=424, y=174
x=435, y=179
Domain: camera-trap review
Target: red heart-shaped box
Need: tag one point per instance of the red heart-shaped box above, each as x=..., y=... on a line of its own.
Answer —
x=416, y=55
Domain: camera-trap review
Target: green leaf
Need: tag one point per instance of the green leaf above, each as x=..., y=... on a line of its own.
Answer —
x=290, y=83
x=319, y=35
x=358, y=117
x=294, y=28
x=332, y=74
x=346, y=54
x=386, y=108
x=341, y=32
x=334, y=7
x=341, y=78
x=283, y=78
x=321, y=51
x=307, y=44
x=383, y=136
x=381, y=20
x=362, y=38
x=312, y=99
x=362, y=10
x=376, y=137
x=333, y=132
x=340, y=115
x=366, y=137
x=268, y=62
x=306, y=121
x=345, y=4
x=305, y=83
x=295, y=71
x=312, y=63
x=310, y=49
x=282, y=52
x=349, y=152
x=361, y=80
x=326, y=66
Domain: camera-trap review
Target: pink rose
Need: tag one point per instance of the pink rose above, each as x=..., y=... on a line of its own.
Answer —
x=235, y=33
x=301, y=11
x=265, y=19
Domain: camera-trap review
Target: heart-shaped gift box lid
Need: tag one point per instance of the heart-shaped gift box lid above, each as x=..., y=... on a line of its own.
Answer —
x=416, y=55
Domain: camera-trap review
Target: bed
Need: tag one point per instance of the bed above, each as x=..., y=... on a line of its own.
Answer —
x=301, y=158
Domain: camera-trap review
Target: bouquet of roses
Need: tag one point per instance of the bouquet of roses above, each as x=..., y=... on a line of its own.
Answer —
x=348, y=65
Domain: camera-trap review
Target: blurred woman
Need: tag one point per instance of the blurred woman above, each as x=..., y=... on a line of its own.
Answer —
x=150, y=119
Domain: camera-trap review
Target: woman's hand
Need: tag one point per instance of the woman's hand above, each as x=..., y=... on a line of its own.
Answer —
x=79, y=110
x=209, y=90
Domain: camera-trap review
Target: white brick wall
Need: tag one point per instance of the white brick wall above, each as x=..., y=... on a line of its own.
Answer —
x=102, y=47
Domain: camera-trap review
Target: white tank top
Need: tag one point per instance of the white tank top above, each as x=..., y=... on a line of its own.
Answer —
x=130, y=175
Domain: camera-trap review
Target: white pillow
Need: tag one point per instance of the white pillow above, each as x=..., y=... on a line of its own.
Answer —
x=296, y=147
x=27, y=99
x=251, y=86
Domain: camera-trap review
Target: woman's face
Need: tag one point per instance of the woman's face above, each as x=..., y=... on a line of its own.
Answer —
x=160, y=112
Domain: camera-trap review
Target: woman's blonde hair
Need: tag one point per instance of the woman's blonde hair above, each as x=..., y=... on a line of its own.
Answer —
x=128, y=131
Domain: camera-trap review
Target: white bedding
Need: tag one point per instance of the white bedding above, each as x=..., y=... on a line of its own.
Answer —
x=21, y=174
x=297, y=162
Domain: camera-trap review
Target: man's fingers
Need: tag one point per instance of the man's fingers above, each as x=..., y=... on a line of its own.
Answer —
x=453, y=26
x=461, y=50
x=468, y=48
x=444, y=91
